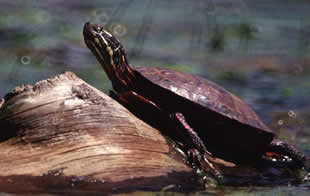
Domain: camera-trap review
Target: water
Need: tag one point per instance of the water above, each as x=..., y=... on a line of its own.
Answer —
x=257, y=49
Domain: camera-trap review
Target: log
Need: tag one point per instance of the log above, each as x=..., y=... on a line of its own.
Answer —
x=63, y=135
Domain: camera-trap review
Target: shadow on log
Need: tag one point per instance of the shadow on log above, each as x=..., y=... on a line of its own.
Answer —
x=62, y=135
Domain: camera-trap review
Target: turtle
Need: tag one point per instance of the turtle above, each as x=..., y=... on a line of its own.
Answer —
x=203, y=118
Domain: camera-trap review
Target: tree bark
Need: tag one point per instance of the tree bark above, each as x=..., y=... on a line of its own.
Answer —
x=62, y=134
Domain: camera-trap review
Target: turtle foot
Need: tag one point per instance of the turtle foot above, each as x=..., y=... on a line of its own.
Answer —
x=194, y=158
x=201, y=162
x=287, y=153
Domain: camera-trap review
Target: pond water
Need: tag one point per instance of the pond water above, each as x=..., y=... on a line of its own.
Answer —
x=257, y=49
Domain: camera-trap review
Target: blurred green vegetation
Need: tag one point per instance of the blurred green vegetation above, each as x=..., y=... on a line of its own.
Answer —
x=256, y=49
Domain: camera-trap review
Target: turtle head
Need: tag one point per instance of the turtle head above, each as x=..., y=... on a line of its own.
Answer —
x=108, y=50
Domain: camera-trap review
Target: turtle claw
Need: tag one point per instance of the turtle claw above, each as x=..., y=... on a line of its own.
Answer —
x=201, y=162
x=194, y=158
x=197, y=153
x=211, y=168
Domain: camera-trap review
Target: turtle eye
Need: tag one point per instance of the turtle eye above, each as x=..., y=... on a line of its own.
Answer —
x=98, y=29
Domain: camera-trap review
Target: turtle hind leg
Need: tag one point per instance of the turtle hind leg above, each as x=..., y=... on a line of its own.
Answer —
x=288, y=153
x=197, y=152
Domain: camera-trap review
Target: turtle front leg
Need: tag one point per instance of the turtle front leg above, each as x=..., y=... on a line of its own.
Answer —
x=196, y=149
x=154, y=115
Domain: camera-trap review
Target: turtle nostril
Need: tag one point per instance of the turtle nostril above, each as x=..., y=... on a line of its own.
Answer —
x=97, y=28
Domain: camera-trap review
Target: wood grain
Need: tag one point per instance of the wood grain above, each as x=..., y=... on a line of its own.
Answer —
x=64, y=130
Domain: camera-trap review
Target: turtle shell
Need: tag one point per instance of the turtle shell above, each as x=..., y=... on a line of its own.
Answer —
x=204, y=92
x=216, y=114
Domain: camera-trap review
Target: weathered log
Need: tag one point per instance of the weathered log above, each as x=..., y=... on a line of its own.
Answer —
x=62, y=134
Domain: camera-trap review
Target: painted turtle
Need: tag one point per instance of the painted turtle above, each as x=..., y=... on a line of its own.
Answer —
x=207, y=119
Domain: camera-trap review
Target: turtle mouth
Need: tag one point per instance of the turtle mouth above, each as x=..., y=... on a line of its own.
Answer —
x=95, y=41
x=90, y=33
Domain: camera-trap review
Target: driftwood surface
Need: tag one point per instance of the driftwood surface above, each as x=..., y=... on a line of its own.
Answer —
x=62, y=134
